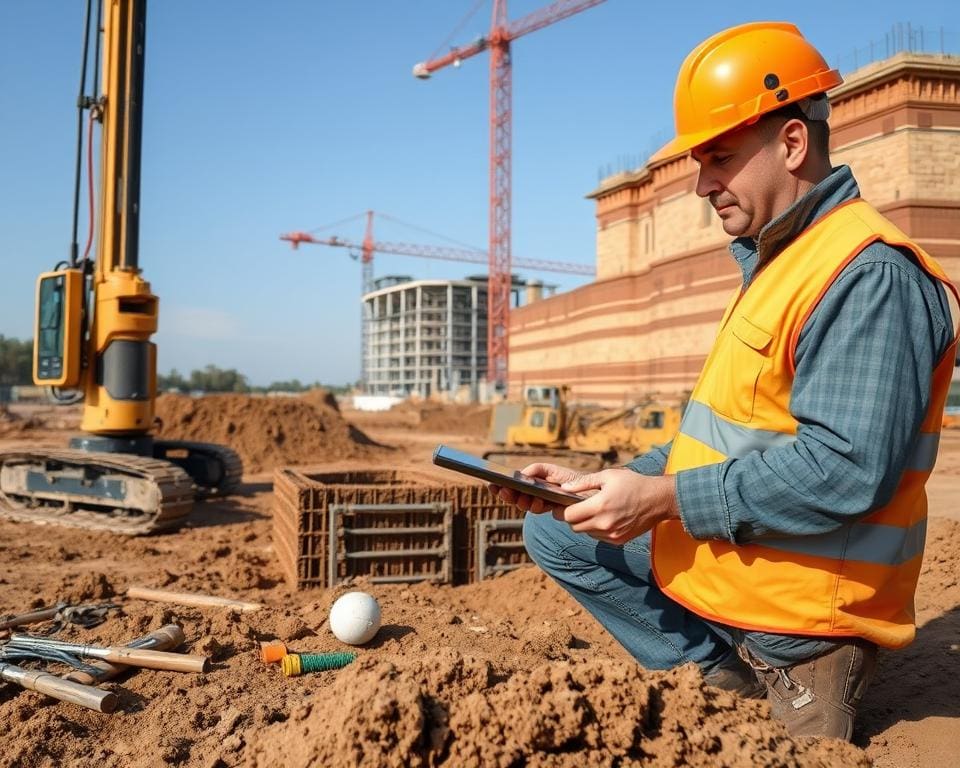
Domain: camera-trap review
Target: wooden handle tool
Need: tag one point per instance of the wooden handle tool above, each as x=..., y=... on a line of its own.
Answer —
x=64, y=690
x=191, y=598
x=132, y=657
x=163, y=639
x=135, y=657
x=42, y=614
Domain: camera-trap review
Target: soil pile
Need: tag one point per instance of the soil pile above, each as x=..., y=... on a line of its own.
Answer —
x=452, y=679
x=510, y=671
x=467, y=420
x=456, y=711
x=266, y=431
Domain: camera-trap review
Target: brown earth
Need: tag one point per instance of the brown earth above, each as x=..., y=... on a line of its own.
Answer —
x=267, y=432
x=463, y=420
x=508, y=672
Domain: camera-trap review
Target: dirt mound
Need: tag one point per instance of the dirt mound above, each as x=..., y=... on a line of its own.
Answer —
x=266, y=431
x=454, y=711
x=469, y=420
x=321, y=399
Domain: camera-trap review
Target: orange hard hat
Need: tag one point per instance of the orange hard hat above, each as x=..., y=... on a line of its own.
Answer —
x=739, y=74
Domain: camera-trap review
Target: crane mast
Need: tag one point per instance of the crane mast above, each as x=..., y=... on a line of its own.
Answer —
x=502, y=33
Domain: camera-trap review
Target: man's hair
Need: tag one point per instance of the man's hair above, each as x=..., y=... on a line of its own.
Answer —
x=817, y=130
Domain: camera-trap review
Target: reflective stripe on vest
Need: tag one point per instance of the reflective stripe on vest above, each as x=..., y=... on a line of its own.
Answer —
x=735, y=441
x=858, y=580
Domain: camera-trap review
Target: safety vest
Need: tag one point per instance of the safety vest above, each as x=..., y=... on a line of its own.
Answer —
x=856, y=581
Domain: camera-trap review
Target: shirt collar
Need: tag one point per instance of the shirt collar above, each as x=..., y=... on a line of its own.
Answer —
x=837, y=188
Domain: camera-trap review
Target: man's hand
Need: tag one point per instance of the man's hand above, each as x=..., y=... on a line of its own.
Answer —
x=624, y=505
x=552, y=473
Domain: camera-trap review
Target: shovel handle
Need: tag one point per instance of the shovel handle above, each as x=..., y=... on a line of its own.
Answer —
x=174, y=662
x=163, y=639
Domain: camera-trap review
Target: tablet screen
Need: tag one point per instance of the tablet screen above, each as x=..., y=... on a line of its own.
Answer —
x=501, y=475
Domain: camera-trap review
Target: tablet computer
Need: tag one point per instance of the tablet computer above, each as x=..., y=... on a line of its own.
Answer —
x=498, y=474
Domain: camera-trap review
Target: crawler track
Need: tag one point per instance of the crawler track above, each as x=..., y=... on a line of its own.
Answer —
x=116, y=492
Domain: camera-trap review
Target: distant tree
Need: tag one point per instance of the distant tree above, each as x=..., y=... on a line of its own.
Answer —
x=172, y=380
x=214, y=379
x=287, y=386
x=16, y=361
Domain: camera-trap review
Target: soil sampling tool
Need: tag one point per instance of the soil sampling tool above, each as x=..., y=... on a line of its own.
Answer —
x=131, y=657
x=64, y=690
x=163, y=639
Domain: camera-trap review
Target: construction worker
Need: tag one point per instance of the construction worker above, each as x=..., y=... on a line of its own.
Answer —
x=777, y=540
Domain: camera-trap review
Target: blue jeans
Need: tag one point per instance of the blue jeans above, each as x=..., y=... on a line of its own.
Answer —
x=616, y=585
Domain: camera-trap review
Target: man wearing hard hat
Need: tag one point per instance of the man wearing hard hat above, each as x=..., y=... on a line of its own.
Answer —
x=777, y=540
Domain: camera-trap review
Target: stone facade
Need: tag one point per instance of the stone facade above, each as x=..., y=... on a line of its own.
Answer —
x=664, y=273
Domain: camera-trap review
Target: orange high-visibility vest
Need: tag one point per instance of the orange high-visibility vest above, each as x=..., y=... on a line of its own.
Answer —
x=856, y=581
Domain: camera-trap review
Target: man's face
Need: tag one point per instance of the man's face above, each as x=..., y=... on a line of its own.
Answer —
x=743, y=175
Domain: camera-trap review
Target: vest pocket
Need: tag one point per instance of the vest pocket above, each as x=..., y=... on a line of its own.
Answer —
x=739, y=365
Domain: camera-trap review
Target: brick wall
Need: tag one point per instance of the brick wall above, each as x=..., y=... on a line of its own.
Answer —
x=663, y=271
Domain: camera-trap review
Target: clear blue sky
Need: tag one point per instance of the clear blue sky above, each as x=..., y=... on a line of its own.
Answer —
x=266, y=117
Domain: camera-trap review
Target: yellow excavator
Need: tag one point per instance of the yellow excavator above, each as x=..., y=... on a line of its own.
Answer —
x=545, y=424
x=94, y=321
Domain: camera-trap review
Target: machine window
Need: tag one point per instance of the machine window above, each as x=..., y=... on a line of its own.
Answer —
x=50, y=331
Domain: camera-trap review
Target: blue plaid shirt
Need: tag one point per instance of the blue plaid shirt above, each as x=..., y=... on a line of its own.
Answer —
x=864, y=364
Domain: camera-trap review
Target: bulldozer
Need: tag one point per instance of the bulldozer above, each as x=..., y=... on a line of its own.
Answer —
x=94, y=321
x=546, y=424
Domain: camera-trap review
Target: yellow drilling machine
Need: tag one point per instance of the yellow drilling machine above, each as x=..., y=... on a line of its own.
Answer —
x=94, y=320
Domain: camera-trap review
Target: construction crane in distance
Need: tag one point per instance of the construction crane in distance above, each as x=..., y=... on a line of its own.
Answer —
x=369, y=246
x=502, y=33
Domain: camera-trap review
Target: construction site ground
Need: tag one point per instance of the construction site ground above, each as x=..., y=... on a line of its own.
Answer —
x=508, y=672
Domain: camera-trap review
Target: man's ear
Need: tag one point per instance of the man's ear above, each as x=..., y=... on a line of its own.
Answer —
x=795, y=140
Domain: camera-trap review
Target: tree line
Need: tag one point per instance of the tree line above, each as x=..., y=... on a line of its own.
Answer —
x=16, y=368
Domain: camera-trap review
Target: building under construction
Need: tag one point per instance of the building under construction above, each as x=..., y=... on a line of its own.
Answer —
x=429, y=336
x=664, y=273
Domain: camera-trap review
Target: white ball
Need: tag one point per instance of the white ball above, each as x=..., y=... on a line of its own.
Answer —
x=355, y=618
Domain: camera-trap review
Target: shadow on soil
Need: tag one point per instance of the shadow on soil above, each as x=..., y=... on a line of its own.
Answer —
x=917, y=682
x=389, y=632
x=222, y=512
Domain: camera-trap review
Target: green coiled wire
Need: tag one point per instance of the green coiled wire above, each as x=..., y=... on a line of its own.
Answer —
x=294, y=664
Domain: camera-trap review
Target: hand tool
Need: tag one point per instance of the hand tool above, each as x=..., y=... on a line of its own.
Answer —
x=132, y=657
x=163, y=639
x=64, y=690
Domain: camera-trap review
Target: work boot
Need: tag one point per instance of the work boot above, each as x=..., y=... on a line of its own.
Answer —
x=820, y=696
x=734, y=674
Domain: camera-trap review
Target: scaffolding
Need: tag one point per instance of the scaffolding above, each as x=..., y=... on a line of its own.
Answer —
x=425, y=336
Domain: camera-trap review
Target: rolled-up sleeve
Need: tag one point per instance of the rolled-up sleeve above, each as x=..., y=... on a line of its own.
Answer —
x=862, y=387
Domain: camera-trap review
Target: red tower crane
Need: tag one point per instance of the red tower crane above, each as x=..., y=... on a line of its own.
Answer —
x=369, y=246
x=502, y=33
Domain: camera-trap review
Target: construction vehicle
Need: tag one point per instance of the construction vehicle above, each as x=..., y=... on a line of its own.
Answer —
x=545, y=424
x=94, y=321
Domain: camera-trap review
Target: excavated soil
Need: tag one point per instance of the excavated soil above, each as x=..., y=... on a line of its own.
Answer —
x=429, y=416
x=267, y=432
x=509, y=672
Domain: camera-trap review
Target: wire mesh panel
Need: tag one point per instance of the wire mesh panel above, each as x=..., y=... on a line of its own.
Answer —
x=499, y=545
x=391, y=542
